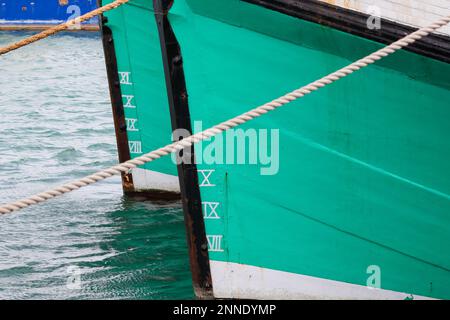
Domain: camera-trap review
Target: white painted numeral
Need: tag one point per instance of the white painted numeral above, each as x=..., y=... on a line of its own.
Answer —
x=215, y=243
x=210, y=210
x=206, y=174
x=131, y=124
x=125, y=78
x=135, y=146
x=129, y=101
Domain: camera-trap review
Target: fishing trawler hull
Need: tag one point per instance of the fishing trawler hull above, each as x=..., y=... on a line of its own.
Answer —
x=343, y=194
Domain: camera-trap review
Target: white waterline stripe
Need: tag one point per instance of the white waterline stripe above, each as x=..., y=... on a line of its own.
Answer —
x=240, y=281
x=144, y=179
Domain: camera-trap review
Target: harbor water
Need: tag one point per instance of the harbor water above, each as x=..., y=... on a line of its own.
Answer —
x=93, y=243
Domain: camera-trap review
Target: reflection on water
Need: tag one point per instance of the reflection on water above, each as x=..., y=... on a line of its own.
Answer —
x=57, y=126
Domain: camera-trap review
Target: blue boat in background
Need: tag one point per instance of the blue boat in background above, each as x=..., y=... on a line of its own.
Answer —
x=37, y=14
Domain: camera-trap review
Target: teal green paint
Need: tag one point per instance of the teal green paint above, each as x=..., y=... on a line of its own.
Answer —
x=363, y=162
x=138, y=51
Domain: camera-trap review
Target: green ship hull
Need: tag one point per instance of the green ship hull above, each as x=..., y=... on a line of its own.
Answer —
x=343, y=194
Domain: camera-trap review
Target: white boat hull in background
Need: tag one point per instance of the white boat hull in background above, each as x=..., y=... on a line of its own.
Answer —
x=415, y=13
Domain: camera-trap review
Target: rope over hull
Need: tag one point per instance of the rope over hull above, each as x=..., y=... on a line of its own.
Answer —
x=234, y=122
x=298, y=213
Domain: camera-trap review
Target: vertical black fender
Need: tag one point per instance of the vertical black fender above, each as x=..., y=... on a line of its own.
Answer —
x=187, y=172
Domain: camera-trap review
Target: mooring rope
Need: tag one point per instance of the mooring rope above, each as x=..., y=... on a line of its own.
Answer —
x=61, y=27
x=234, y=122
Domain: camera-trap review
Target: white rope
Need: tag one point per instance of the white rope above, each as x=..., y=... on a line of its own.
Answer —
x=234, y=122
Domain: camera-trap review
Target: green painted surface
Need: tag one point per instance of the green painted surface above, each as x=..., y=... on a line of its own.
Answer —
x=138, y=52
x=363, y=177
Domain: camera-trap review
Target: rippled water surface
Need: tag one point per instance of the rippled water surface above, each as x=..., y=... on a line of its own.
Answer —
x=56, y=125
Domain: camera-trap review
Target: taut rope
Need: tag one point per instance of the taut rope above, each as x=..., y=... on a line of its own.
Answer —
x=234, y=122
x=61, y=27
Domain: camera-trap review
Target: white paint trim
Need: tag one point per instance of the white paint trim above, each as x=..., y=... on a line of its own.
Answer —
x=238, y=281
x=416, y=13
x=145, y=180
